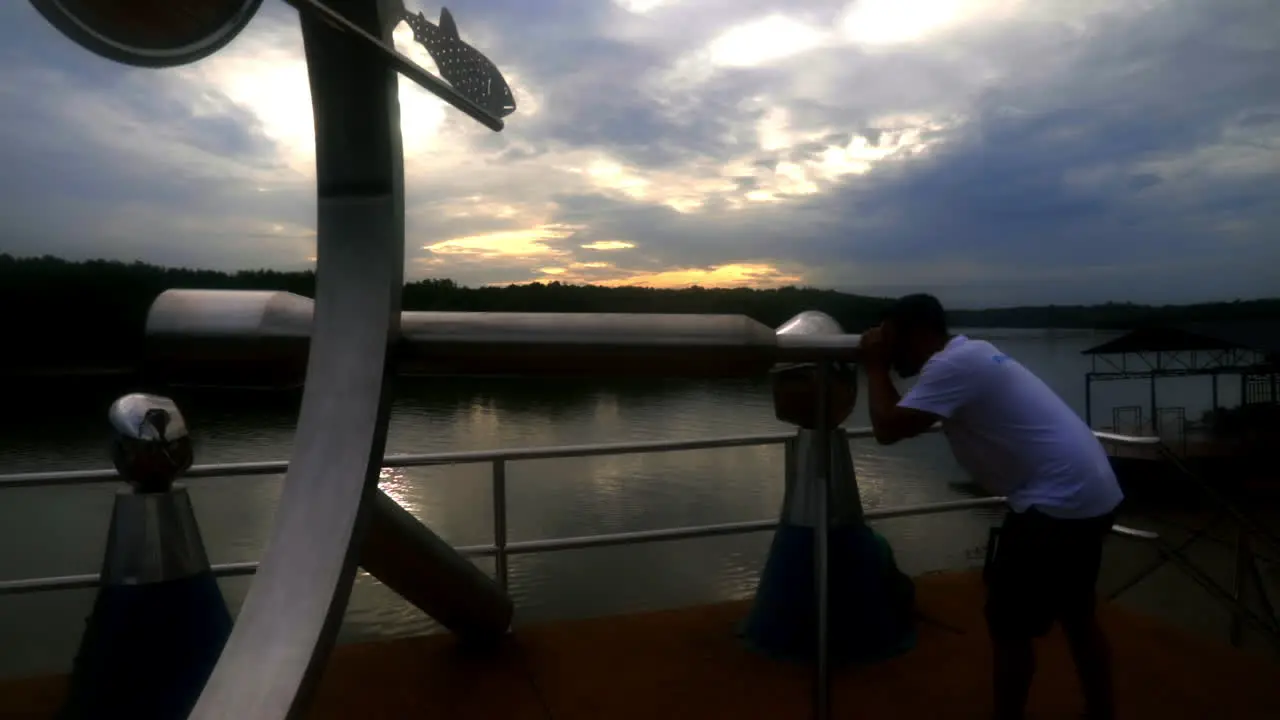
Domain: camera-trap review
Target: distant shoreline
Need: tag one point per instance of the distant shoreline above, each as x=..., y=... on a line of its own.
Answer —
x=88, y=319
x=73, y=372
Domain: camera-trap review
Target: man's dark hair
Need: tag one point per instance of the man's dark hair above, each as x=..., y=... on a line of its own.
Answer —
x=918, y=312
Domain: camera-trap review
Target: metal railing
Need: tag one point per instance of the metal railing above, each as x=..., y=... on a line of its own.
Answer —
x=501, y=549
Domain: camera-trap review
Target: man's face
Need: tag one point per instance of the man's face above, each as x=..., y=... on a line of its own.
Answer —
x=903, y=354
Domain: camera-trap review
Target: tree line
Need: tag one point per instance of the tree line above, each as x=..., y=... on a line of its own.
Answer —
x=59, y=314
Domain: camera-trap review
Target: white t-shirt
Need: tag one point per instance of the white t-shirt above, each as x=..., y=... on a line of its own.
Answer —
x=1013, y=434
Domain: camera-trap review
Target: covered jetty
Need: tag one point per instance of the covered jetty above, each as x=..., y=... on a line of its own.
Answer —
x=1247, y=349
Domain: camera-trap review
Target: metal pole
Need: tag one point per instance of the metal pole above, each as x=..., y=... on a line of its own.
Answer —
x=1155, y=415
x=1265, y=626
x=1238, y=581
x=1162, y=560
x=1088, y=399
x=1261, y=587
x=822, y=668
x=1227, y=506
x=789, y=462
x=290, y=618
x=500, y=522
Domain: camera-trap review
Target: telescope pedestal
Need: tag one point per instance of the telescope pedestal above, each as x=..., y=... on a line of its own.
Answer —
x=159, y=621
x=872, y=603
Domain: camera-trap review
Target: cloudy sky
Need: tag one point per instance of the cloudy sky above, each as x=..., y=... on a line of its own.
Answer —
x=994, y=152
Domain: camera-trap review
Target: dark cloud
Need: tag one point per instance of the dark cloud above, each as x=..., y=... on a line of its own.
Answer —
x=1131, y=151
x=1059, y=182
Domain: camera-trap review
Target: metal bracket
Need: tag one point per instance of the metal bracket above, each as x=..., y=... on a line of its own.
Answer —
x=475, y=85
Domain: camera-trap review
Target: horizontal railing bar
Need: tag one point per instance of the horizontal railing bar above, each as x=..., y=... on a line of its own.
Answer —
x=1141, y=440
x=639, y=536
x=685, y=533
x=934, y=508
x=455, y=457
x=86, y=581
x=80, y=582
x=462, y=457
x=577, y=451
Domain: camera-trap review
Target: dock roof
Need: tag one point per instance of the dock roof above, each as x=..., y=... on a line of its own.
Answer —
x=1250, y=335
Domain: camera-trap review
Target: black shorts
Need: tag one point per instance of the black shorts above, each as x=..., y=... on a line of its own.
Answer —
x=1042, y=569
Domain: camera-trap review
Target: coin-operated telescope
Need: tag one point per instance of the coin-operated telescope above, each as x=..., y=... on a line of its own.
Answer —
x=159, y=613
x=870, y=603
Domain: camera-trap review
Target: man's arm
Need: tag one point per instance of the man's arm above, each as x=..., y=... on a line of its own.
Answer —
x=890, y=421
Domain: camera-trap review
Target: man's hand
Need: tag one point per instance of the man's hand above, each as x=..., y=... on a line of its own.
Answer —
x=874, y=348
x=889, y=421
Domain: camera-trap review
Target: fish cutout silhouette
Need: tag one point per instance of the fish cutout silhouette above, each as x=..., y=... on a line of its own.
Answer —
x=462, y=66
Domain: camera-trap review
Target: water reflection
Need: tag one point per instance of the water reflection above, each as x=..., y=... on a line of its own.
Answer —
x=395, y=483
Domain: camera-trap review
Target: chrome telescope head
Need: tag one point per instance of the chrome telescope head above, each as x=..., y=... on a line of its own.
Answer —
x=796, y=385
x=151, y=446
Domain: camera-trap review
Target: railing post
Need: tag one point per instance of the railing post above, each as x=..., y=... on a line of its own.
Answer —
x=500, y=522
x=789, y=462
x=822, y=542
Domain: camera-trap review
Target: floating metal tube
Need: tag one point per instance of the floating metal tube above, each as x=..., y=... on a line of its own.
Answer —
x=238, y=337
x=577, y=344
x=222, y=337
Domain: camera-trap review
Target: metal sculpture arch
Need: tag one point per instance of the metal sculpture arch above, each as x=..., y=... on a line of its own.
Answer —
x=290, y=618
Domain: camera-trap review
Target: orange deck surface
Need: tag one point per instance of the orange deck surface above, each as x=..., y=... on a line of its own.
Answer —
x=688, y=664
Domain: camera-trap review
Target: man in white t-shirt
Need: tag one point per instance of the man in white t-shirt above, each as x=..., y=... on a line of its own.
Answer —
x=1018, y=439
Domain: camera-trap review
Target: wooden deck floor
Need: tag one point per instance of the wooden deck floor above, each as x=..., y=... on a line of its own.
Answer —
x=688, y=664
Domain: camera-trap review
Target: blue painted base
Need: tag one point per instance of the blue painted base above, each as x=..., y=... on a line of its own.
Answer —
x=872, y=603
x=148, y=650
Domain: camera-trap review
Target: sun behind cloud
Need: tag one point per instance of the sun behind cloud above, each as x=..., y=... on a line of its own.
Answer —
x=763, y=41
x=608, y=245
x=531, y=243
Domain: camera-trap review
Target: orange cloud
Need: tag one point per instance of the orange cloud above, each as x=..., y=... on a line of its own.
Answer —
x=756, y=275
x=752, y=275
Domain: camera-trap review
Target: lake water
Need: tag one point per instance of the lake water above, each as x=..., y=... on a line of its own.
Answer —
x=61, y=531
